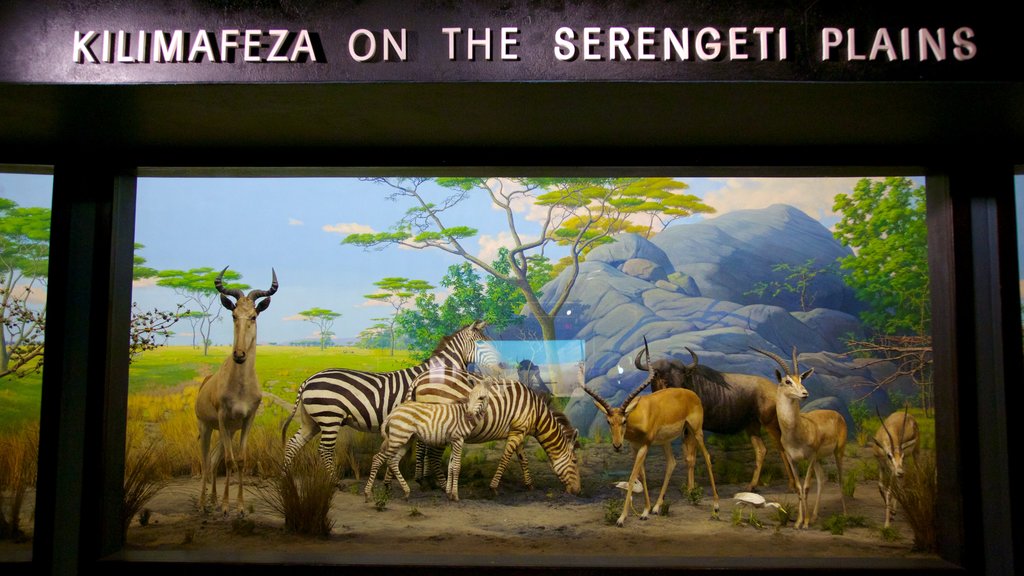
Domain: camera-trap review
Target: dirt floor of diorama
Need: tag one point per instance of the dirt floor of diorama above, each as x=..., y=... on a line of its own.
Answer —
x=543, y=524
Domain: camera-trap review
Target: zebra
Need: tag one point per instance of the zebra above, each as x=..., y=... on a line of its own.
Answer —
x=333, y=398
x=432, y=424
x=513, y=412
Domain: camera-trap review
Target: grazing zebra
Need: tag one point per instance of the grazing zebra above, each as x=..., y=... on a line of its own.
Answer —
x=340, y=397
x=514, y=411
x=432, y=424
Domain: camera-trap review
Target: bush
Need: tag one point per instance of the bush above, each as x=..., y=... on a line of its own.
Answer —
x=917, y=495
x=19, y=453
x=303, y=495
x=143, y=474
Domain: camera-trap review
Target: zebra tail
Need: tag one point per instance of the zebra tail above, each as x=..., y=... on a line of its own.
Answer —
x=284, y=427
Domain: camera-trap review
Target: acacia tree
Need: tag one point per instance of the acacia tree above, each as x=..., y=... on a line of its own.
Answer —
x=577, y=213
x=397, y=292
x=24, y=258
x=201, y=296
x=149, y=329
x=323, y=319
x=884, y=222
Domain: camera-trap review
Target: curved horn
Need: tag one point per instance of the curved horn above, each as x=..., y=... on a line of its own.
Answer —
x=795, y=369
x=634, y=393
x=775, y=357
x=647, y=364
x=886, y=428
x=254, y=294
x=218, y=283
x=692, y=355
x=598, y=399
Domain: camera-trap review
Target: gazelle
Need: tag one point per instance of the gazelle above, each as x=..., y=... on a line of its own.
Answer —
x=891, y=451
x=652, y=420
x=228, y=398
x=806, y=435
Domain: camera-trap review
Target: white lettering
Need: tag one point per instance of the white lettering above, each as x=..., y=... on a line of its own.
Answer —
x=81, y=52
x=390, y=42
x=275, y=51
x=591, y=41
x=564, y=48
x=228, y=41
x=108, y=48
x=926, y=42
x=830, y=38
x=963, y=48
x=882, y=43
x=472, y=43
x=451, y=32
x=645, y=43
x=708, y=49
x=618, y=42
x=677, y=45
x=202, y=46
x=851, y=46
x=169, y=51
x=303, y=45
x=370, y=43
x=143, y=54
x=508, y=41
x=123, y=48
x=735, y=42
x=253, y=40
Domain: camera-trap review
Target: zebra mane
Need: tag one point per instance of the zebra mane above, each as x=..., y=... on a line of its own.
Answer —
x=447, y=339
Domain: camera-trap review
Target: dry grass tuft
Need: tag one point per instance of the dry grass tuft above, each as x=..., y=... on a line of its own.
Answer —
x=144, y=475
x=303, y=495
x=19, y=454
x=917, y=494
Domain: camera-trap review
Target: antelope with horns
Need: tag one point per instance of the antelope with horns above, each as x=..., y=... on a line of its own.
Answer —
x=652, y=420
x=891, y=450
x=806, y=435
x=733, y=402
x=228, y=399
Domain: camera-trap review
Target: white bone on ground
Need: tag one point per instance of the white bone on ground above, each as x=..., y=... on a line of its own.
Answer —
x=637, y=487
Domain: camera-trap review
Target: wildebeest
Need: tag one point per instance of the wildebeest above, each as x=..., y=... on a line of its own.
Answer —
x=529, y=373
x=732, y=402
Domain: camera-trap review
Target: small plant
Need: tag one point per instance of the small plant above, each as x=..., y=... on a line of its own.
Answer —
x=889, y=534
x=144, y=516
x=143, y=477
x=838, y=523
x=415, y=512
x=665, y=507
x=850, y=483
x=693, y=495
x=612, y=510
x=737, y=516
x=381, y=495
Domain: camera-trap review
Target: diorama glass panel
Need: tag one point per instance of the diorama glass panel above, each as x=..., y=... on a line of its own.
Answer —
x=25, y=201
x=511, y=321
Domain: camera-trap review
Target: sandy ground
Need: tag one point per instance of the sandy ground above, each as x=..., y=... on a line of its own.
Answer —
x=544, y=526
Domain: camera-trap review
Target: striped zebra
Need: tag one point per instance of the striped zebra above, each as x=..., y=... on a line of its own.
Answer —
x=333, y=398
x=430, y=424
x=514, y=411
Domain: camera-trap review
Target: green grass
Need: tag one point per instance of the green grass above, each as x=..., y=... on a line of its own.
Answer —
x=20, y=399
x=280, y=368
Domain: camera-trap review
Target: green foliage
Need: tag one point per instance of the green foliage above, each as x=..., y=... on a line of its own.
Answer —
x=323, y=319
x=381, y=496
x=889, y=534
x=838, y=523
x=612, y=510
x=24, y=259
x=693, y=495
x=200, y=294
x=797, y=279
x=885, y=224
x=398, y=292
x=581, y=213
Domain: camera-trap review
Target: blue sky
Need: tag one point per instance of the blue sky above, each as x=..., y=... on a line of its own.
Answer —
x=296, y=225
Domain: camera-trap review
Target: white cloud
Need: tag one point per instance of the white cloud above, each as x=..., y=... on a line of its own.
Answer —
x=346, y=228
x=295, y=222
x=812, y=195
x=293, y=318
x=370, y=303
x=37, y=295
x=144, y=283
x=489, y=244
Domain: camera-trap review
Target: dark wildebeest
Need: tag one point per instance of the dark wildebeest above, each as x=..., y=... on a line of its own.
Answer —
x=529, y=373
x=732, y=402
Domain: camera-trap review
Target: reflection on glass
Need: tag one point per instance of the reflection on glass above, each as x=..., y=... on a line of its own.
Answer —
x=24, y=252
x=603, y=283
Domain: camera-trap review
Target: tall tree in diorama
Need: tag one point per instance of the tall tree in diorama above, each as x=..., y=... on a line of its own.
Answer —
x=576, y=213
x=24, y=259
x=397, y=292
x=323, y=319
x=201, y=296
x=884, y=222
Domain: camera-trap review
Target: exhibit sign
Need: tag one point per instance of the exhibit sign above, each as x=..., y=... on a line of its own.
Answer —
x=202, y=41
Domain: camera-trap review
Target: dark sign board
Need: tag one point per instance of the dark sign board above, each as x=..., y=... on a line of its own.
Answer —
x=259, y=41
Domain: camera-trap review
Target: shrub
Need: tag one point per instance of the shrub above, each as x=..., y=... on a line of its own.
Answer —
x=917, y=495
x=143, y=474
x=303, y=495
x=19, y=453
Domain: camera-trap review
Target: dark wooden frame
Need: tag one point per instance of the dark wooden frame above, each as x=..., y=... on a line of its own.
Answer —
x=96, y=139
